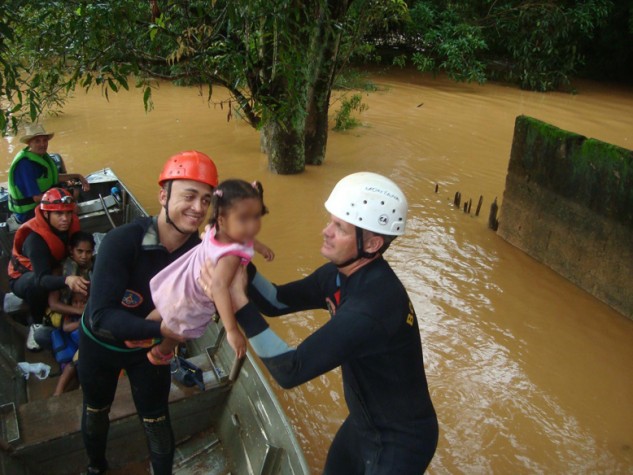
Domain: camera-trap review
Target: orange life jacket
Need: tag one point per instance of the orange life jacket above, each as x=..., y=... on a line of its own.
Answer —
x=19, y=263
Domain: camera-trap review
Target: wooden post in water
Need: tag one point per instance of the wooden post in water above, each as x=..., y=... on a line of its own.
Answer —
x=437, y=187
x=493, y=223
x=470, y=205
x=481, y=200
x=458, y=199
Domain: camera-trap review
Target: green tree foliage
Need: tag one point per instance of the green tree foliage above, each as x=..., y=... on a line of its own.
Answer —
x=609, y=54
x=9, y=73
x=277, y=58
x=343, y=119
x=535, y=43
x=445, y=42
x=540, y=41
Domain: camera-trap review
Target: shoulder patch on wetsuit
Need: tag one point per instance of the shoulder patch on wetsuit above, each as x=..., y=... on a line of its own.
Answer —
x=131, y=299
x=411, y=316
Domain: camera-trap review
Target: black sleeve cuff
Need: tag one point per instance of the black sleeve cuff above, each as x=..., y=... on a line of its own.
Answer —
x=251, y=320
x=251, y=270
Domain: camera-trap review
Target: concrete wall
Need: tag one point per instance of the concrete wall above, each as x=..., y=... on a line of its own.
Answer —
x=568, y=202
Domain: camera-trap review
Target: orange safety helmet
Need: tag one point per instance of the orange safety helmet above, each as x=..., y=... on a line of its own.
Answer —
x=57, y=199
x=190, y=165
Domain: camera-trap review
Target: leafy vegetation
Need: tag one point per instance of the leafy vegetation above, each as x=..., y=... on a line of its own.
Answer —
x=343, y=119
x=537, y=44
x=280, y=59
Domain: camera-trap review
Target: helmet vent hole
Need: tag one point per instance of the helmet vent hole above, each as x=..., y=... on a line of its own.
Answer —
x=364, y=202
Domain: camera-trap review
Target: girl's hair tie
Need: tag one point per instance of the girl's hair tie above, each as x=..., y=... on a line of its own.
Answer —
x=254, y=185
x=218, y=193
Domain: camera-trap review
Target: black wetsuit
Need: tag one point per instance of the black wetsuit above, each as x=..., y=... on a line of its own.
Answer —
x=374, y=336
x=35, y=286
x=120, y=299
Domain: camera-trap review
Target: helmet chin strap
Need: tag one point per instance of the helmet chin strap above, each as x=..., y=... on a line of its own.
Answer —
x=360, y=251
x=167, y=218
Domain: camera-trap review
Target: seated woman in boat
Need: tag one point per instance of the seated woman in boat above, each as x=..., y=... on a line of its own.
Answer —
x=39, y=246
x=237, y=209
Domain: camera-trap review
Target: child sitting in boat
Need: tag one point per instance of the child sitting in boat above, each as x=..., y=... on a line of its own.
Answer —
x=66, y=308
x=79, y=262
x=237, y=209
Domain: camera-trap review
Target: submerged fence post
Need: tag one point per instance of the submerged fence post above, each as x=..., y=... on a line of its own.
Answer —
x=493, y=223
x=458, y=199
x=481, y=200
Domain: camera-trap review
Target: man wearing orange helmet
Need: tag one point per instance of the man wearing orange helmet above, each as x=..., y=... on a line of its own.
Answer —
x=39, y=246
x=120, y=301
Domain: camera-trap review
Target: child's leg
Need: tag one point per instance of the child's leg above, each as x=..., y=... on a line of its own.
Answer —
x=68, y=373
x=162, y=353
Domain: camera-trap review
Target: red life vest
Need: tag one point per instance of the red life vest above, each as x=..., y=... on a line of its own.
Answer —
x=19, y=263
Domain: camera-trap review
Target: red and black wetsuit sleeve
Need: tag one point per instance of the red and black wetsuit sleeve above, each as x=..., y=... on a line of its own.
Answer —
x=36, y=249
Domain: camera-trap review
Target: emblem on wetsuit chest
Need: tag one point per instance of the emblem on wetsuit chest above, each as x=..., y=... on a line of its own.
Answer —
x=131, y=299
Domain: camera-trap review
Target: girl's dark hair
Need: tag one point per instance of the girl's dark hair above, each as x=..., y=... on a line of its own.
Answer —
x=229, y=191
x=81, y=236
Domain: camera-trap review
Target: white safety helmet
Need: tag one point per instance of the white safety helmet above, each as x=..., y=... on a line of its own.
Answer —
x=369, y=201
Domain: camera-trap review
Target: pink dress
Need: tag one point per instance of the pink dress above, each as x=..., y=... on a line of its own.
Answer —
x=179, y=298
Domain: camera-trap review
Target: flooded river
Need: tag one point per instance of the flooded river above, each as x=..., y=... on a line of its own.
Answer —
x=528, y=373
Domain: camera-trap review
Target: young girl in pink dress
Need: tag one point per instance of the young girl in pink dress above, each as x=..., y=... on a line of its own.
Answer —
x=237, y=209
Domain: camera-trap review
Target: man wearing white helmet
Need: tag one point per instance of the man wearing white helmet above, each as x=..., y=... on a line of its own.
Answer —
x=372, y=335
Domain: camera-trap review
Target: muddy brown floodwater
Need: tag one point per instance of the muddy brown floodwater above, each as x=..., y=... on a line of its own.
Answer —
x=528, y=373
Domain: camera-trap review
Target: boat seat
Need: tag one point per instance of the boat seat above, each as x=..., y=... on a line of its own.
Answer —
x=50, y=429
x=95, y=206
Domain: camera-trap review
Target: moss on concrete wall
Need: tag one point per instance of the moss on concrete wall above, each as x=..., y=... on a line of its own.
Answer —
x=590, y=172
x=568, y=203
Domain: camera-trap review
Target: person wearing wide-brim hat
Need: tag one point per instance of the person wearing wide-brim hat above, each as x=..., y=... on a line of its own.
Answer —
x=35, y=130
x=33, y=171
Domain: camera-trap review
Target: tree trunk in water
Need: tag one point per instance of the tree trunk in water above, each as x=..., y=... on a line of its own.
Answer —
x=317, y=121
x=324, y=56
x=284, y=145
